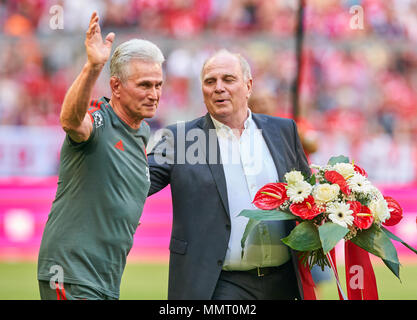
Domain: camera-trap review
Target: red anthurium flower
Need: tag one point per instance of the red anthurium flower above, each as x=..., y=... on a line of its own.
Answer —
x=396, y=213
x=270, y=196
x=337, y=178
x=360, y=170
x=307, y=209
x=362, y=216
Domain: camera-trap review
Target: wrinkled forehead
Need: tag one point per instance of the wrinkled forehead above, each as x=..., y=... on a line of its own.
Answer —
x=144, y=69
x=221, y=64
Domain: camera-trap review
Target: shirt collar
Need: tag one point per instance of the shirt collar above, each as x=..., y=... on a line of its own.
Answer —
x=219, y=126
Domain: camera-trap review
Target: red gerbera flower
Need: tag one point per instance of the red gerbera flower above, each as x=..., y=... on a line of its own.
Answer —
x=396, y=213
x=307, y=209
x=337, y=178
x=362, y=216
x=271, y=196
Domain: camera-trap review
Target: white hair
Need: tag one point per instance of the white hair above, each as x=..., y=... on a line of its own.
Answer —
x=139, y=49
x=244, y=65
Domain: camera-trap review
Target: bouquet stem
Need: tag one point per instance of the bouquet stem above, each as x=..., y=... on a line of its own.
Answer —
x=315, y=257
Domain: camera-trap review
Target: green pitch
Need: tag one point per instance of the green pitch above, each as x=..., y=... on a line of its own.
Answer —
x=149, y=282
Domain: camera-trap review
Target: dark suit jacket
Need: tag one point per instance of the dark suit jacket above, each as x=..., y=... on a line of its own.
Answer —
x=201, y=221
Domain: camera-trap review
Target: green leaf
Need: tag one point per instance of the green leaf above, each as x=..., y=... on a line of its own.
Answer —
x=249, y=227
x=304, y=237
x=394, y=237
x=394, y=267
x=330, y=234
x=312, y=180
x=267, y=215
x=333, y=160
x=375, y=241
x=305, y=175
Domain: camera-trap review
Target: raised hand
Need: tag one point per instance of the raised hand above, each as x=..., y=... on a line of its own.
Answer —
x=98, y=52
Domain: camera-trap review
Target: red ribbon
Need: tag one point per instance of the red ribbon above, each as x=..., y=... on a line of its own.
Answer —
x=306, y=281
x=360, y=276
x=332, y=254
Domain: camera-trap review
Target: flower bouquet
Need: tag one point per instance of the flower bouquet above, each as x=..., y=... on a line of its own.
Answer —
x=336, y=202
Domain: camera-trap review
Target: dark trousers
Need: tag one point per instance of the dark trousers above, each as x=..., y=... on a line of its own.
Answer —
x=279, y=284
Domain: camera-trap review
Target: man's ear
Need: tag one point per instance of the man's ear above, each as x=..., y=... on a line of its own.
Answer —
x=249, y=84
x=115, y=85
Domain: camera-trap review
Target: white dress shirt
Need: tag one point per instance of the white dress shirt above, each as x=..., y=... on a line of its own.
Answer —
x=248, y=166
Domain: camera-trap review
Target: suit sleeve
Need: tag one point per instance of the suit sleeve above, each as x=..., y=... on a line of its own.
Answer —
x=302, y=161
x=161, y=162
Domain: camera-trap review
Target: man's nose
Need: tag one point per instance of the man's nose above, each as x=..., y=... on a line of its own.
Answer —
x=153, y=93
x=219, y=86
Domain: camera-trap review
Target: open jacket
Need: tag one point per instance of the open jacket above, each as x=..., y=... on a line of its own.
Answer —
x=201, y=220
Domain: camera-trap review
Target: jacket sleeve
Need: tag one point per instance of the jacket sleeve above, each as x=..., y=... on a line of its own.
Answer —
x=302, y=162
x=161, y=161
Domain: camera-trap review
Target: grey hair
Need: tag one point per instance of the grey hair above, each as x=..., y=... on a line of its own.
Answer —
x=244, y=65
x=140, y=49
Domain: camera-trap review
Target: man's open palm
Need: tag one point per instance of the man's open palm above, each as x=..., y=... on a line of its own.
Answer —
x=98, y=52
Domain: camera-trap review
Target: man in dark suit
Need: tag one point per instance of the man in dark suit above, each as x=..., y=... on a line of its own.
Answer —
x=215, y=165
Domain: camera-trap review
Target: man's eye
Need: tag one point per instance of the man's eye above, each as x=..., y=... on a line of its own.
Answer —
x=142, y=85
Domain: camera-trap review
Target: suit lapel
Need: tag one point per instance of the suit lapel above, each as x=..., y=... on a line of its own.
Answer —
x=213, y=159
x=274, y=143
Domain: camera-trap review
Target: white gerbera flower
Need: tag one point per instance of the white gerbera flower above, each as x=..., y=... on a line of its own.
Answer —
x=293, y=177
x=299, y=191
x=380, y=210
x=345, y=169
x=340, y=213
x=359, y=183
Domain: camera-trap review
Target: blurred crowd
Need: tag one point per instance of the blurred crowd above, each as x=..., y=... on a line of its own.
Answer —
x=358, y=86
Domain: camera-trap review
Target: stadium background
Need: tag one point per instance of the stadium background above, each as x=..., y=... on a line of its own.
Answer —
x=357, y=97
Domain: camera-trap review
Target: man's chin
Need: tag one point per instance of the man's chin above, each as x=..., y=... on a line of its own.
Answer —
x=221, y=114
x=149, y=114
